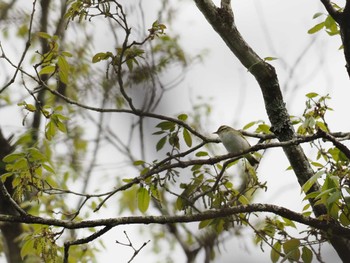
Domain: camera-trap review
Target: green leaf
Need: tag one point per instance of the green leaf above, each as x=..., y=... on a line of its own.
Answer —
x=289, y=222
x=30, y=107
x=275, y=252
x=60, y=125
x=128, y=180
x=160, y=143
x=204, y=223
x=264, y=128
x=47, y=70
x=174, y=140
x=344, y=219
x=63, y=69
x=5, y=176
x=36, y=155
x=244, y=200
x=48, y=168
x=248, y=125
x=317, y=164
x=43, y=35
x=166, y=125
x=138, y=162
x=306, y=255
x=201, y=154
x=130, y=64
x=12, y=157
x=309, y=183
x=334, y=197
x=182, y=117
x=143, y=199
x=101, y=56
x=67, y=54
x=290, y=245
x=311, y=95
x=270, y=58
x=179, y=204
x=187, y=137
x=291, y=249
x=50, y=130
x=144, y=171
x=28, y=248
x=317, y=15
x=20, y=164
x=316, y=28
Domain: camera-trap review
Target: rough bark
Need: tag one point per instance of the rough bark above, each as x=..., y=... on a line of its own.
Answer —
x=222, y=20
x=9, y=231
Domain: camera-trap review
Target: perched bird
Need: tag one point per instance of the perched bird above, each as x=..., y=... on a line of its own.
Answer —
x=235, y=142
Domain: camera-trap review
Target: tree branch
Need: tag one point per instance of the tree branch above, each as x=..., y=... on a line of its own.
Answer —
x=331, y=10
x=320, y=224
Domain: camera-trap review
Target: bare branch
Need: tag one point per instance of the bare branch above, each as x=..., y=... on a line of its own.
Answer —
x=28, y=43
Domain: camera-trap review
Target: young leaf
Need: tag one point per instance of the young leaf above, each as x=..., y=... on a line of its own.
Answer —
x=12, y=157
x=248, y=125
x=317, y=15
x=309, y=183
x=306, y=255
x=204, y=223
x=47, y=70
x=187, y=137
x=143, y=199
x=316, y=28
x=290, y=245
x=43, y=35
x=63, y=69
x=311, y=95
x=182, y=117
x=275, y=252
x=139, y=162
x=270, y=58
x=166, y=125
x=201, y=153
x=160, y=143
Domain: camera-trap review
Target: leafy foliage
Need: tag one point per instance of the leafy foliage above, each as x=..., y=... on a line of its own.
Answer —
x=77, y=93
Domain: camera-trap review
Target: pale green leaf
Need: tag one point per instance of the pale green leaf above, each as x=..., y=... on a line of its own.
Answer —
x=316, y=28
x=47, y=70
x=311, y=95
x=143, y=199
x=12, y=157
x=201, y=154
x=309, y=183
x=63, y=69
x=43, y=35
x=138, y=162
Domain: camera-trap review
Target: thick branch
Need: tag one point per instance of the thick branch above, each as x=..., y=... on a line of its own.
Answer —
x=324, y=225
x=331, y=10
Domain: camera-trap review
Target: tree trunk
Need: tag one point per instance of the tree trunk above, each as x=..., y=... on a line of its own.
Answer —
x=9, y=231
x=222, y=20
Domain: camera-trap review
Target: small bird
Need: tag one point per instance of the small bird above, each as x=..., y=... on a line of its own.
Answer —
x=235, y=142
